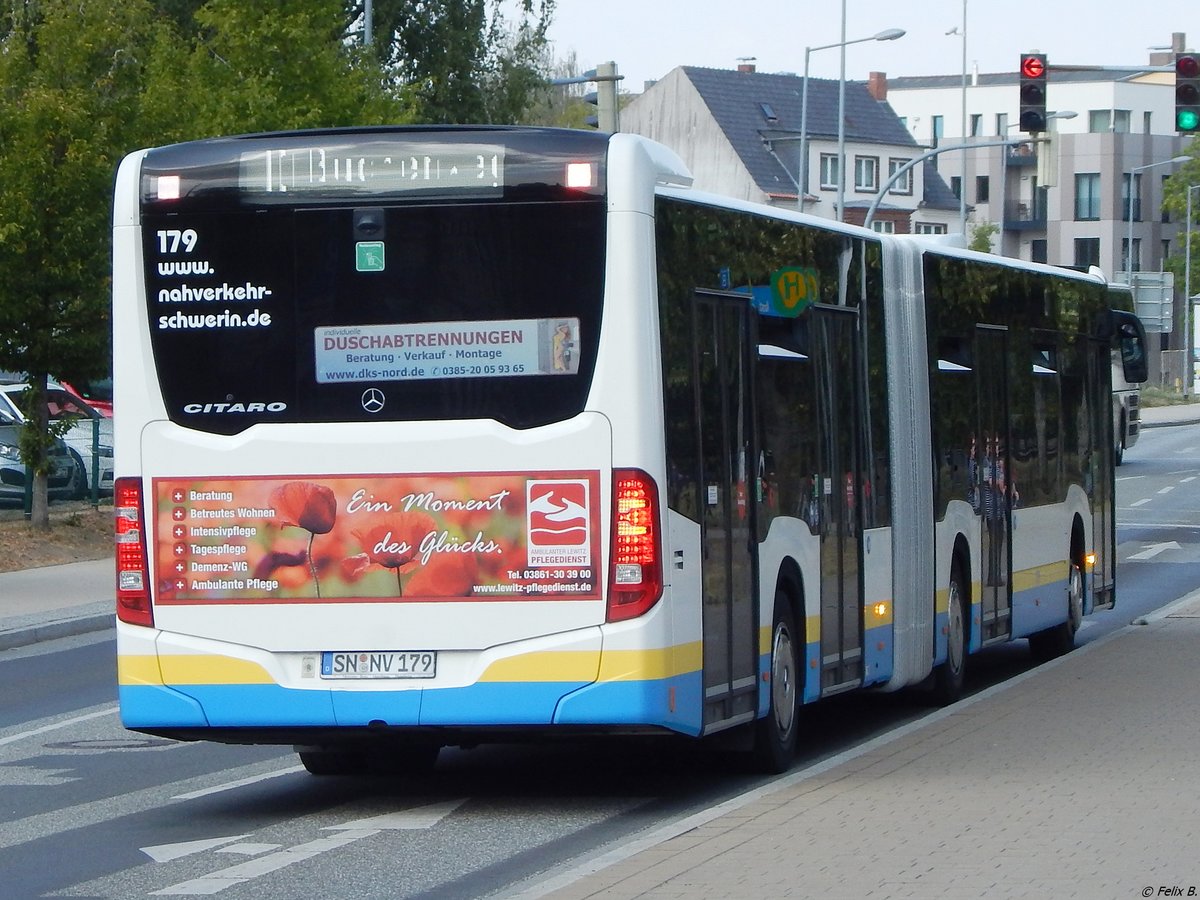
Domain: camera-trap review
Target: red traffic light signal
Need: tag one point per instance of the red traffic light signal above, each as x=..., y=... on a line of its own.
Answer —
x=1033, y=93
x=1187, y=93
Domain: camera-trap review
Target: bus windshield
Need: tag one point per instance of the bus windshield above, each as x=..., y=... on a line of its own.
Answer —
x=486, y=304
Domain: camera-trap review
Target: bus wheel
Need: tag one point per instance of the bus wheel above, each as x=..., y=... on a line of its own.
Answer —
x=951, y=675
x=1060, y=639
x=775, y=735
x=1119, y=443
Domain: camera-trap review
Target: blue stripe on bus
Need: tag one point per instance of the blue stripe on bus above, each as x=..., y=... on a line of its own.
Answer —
x=484, y=704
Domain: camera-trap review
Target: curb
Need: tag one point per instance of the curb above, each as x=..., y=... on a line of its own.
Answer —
x=25, y=634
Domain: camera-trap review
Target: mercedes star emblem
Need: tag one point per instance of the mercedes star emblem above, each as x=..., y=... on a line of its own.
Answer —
x=372, y=400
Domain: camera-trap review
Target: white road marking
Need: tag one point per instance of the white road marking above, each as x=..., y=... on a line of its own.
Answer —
x=406, y=819
x=1141, y=502
x=422, y=817
x=241, y=782
x=1167, y=489
x=167, y=852
x=1152, y=550
x=247, y=871
x=65, y=723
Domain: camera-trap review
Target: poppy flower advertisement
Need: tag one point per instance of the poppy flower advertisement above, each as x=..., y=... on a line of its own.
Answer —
x=384, y=538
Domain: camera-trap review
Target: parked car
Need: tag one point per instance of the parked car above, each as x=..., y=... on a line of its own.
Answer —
x=62, y=478
x=97, y=393
x=89, y=437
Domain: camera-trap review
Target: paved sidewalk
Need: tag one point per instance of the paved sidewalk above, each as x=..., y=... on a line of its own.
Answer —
x=1179, y=414
x=1080, y=778
x=56, y=601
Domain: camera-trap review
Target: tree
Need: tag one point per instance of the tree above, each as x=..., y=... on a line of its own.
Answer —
x=82, y=82
x=463, y=59
x=1175, y=197
x=274, y=65
x=70, y=74
x=981, y=236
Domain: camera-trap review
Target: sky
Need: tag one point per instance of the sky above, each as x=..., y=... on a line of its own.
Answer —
x=648, y=38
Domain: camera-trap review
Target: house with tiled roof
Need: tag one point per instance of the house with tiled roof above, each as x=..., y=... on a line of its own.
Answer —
x=739, y=131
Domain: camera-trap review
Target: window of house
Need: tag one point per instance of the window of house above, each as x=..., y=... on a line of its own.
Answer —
x=1166, y=215
x=939, y=128
x=829, y=170
x=1087, y=252
x=1087, y=196
x=1002, y=124
x=1131, y=204
x=1134, y=265
x=1166, y=254
x=976, y=124
x=982, y=188
x=956, y=185
x=1099, y=120
x=866, y=173
x=930, y=228
x=904, y=184
x=884, y=226
x=1147, y=116
x=1037, y=250
x=1121, y=121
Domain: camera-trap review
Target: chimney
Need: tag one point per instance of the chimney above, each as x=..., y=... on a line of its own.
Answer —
x=877, y=85
x=747, y=67
x=1178, y=45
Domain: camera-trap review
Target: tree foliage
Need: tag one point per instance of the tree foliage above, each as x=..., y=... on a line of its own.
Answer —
x=464, y=59
x=82, y=82
x=1175, y=202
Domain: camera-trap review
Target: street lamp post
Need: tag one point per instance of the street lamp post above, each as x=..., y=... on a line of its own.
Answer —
x=1129, y=210
x=887, y=186
x=889, y=34
x=1188, y=375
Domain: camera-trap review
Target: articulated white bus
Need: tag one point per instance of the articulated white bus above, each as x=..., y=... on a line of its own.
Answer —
x=434, y=436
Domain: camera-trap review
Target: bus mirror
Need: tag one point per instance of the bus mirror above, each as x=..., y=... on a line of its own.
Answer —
x=1131, y=340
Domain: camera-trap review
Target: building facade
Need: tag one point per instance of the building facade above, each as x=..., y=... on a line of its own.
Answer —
x=1065, y=200
x=741, y=133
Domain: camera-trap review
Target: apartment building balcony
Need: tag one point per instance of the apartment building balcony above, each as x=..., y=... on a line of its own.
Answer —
x=1025, y=216
x=1021, y=156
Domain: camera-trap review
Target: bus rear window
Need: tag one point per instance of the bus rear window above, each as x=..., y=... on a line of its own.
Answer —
x=401, y=312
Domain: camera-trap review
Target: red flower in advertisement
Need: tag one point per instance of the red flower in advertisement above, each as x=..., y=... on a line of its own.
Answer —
x=307, y=505
x=394, y=542
x=446, y=575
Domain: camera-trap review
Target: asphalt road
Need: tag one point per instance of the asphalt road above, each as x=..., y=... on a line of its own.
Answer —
x=91, y=810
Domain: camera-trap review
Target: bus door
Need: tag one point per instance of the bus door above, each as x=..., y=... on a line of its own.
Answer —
x=840, y=487
x=1100, y=456
x=992, y=468
x=723, y=342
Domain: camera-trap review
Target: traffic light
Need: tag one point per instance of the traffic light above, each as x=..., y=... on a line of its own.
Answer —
x=1187, y=93
x=1033, y=93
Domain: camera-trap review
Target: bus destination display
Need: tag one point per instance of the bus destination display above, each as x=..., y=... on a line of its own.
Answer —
x=377, y=167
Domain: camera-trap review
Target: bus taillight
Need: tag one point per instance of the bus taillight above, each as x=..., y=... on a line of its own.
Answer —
x=133, y=589
x=635, y=576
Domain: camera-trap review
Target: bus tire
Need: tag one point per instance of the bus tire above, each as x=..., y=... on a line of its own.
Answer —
x=1119, y=443
x=1060, y=639
x=950, y=676
x=775, y=733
